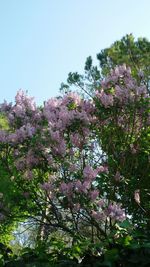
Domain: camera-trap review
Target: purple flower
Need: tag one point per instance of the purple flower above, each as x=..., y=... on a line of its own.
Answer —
x=116, y=212
x=46, y=186
x=94, y=194
x=89, y=173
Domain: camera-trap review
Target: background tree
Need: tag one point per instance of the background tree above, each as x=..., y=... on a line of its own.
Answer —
x=133, y=53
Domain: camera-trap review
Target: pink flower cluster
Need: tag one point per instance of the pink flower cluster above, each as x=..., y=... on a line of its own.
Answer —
x=89, y=173
x=24, y=111
x=5, y=107
x=115, y=212
x=3, y=136
x=21, y=134
x=78, y=188
x=120, y=88
x=60, y=114
x=84, y=185
x=27, y=162
x=47, y=186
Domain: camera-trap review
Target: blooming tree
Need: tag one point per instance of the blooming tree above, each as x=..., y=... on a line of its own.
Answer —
x=79, y=163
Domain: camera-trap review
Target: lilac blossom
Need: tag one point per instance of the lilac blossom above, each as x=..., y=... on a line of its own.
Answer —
x=120, y=87
x=94, y=194
x=115, y=212
x=89, y=173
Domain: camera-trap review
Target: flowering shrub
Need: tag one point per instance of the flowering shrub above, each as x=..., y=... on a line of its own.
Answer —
x=75, y=164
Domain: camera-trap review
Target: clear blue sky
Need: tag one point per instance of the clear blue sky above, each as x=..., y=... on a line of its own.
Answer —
x=42, y=40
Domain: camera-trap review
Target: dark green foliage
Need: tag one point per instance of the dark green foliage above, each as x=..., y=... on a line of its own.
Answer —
x=115, y=255
x=134, y=53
